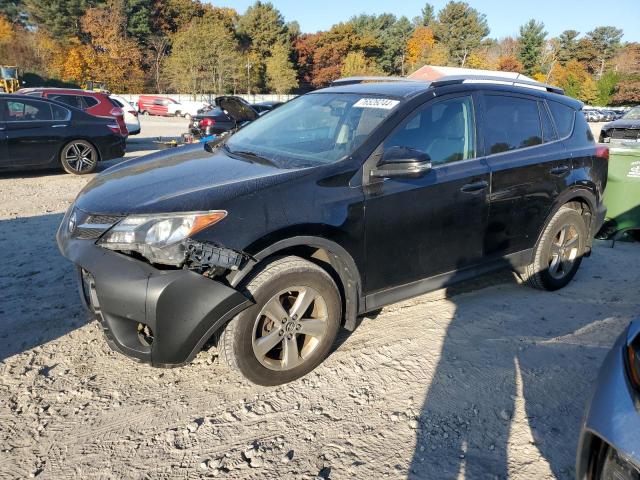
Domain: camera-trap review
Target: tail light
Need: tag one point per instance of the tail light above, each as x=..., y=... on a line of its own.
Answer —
x=207, y=122
x=114, y=127
x=602, y=152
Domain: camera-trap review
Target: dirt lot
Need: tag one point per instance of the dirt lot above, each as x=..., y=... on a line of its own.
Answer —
x=487, y=380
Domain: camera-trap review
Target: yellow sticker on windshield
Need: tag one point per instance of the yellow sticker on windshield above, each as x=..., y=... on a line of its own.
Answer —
x=382, y=103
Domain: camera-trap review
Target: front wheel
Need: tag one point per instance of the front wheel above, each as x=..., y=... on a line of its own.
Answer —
x=79, y=157
x=187, y=116
x=290, y=329
x=559, y=252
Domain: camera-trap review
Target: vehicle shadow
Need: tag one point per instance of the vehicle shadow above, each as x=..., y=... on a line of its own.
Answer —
x=39, y=292
x=504, y=386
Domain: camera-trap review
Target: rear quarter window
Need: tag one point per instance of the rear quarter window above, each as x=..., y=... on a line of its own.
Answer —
x=511, y=123
x=563, y=116
x=89, y=101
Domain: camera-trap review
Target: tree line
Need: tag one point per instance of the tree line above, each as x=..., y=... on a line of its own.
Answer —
x=193, y=47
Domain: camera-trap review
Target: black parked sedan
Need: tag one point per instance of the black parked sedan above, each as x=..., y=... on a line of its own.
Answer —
x=40, y=133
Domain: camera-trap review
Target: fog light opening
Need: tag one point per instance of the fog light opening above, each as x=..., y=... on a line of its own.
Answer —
x=145, y=334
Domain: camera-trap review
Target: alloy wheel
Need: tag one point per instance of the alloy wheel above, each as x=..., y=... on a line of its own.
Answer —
x=80, y=157
x=289, y=328
x=564, y=251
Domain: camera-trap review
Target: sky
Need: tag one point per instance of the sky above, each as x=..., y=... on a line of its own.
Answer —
x=504, y=17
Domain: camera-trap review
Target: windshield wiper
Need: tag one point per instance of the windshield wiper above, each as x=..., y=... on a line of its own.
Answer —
x=249, y=154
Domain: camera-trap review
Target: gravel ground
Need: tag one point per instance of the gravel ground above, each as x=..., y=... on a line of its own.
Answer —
x=485, y=380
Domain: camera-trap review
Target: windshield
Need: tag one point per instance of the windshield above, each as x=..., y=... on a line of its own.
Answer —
x=633, y=114
x=317, y=128
x=8, y=72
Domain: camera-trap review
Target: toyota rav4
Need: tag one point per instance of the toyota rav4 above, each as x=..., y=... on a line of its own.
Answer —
x=339, y=202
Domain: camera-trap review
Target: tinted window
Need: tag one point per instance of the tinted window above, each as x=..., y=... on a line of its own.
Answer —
x=116, y=103
x=26, y=111
x=445, y=130
x=548, y=132
x=89, y=101
x=511, y=123
x=60, y=113
x=71, y=100
x=563, y=116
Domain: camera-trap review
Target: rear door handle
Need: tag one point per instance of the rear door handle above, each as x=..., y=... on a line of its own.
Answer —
x=559, y=171
x=474, y=187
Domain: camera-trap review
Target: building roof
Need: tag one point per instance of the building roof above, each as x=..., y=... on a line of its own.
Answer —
x=434, y=72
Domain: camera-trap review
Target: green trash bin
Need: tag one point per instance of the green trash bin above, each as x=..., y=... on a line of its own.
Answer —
x=622, y=195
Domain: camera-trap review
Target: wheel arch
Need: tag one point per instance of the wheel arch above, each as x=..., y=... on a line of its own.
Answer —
x=326, y=253
x=580, y=198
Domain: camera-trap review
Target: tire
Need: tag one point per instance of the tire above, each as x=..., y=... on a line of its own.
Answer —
x=79, y=157
x=635, y=234
x=187, y=116
x=144, y=112
x=548, y=271
x=287, y=351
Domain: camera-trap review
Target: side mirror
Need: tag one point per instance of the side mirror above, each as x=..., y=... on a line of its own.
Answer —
x=402, y=162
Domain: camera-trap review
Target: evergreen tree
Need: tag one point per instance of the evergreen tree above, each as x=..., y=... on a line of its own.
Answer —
x=14, y=11
x=567, y=46
x=606, y=41
x=532, y=37
x=460, y=29
x=60, y=19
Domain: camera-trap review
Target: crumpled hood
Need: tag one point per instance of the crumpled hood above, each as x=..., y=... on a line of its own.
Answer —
x=186, y=178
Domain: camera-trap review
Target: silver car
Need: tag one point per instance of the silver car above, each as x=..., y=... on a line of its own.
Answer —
x=609, y=446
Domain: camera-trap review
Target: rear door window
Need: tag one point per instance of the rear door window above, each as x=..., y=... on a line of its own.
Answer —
x=71, y=100
x=89, y=101
x=60, y=113
x=563, y=116
x=27, y=111
x=510, y=123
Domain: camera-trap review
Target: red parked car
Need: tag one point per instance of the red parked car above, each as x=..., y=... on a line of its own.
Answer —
x=154, y=105
x=94, y=103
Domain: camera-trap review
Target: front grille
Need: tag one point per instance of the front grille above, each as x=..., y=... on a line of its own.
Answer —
x=91, y=227
x=625, y=133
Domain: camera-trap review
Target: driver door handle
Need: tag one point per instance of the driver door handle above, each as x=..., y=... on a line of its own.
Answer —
x=474, y=187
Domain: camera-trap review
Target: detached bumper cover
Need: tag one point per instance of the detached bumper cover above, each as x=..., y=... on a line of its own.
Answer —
x=182, y=308
x=612, y=415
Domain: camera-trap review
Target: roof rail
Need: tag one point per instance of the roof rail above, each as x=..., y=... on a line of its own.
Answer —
x=453, y=79
x=355, y=80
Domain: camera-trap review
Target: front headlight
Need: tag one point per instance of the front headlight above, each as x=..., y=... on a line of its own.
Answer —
x=159, y=237
x=633, y=362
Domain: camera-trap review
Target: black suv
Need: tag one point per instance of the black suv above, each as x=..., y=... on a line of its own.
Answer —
x=335, y=204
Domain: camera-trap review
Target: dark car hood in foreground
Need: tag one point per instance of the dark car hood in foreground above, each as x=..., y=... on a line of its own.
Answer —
x=187, y=178
x=622, y=123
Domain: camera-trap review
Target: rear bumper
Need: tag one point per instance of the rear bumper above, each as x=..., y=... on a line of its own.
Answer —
x=182, y=308
x=113, y=148
x=612, y=415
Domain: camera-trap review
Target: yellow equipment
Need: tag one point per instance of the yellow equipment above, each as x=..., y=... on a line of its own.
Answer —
x=9, y=79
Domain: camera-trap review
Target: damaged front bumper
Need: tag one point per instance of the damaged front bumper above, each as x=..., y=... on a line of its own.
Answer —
x=161, y=317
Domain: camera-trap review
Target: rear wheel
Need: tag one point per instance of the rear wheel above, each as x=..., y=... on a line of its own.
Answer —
x=559, y=252
x=79, y=157
x=290, y=329
x=187, y=116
